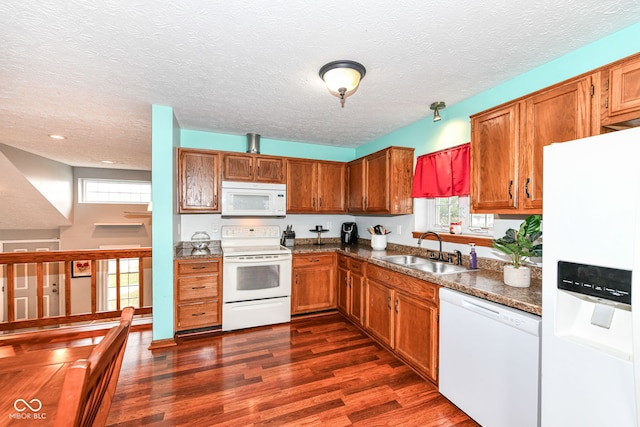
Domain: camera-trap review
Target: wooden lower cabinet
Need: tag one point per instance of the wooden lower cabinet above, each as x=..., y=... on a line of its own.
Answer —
x=402, y=313
x=344, y=295
x=197, y=288
x=351, y=281
x=313, y=285
x=379, y=317
x=416, y=333
x=357, y=281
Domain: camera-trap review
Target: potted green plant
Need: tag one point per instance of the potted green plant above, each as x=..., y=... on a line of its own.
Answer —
x=519, y=244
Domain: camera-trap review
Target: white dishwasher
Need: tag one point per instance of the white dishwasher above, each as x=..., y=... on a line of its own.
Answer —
x=490, y=360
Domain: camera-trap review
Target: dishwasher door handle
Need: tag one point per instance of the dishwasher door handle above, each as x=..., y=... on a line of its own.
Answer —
x=480, y=308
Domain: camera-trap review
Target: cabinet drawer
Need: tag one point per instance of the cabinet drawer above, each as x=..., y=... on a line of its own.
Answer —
x=198, y=315
x=357, y=266
x=198, y=267
x=416, y=287
x=197, y=287
x=343, y=262
x=312, y=260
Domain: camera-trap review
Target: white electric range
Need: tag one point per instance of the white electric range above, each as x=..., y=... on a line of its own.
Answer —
x=256, y=277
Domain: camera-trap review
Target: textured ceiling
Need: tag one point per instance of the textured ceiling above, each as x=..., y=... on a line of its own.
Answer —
x=91, y=70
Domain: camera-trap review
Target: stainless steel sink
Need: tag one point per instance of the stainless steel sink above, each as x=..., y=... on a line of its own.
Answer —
x=440, y=268
x=404, y=259
x=424, y=264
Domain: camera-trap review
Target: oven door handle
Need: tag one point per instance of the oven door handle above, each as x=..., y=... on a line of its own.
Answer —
x=256, y=261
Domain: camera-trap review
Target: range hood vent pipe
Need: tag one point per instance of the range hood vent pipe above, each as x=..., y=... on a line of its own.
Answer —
x=253, y=143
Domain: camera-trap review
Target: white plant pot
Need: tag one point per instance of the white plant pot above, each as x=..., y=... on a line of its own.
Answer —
x=517, y=277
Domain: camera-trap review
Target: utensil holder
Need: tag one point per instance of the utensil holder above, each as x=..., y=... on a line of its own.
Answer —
x=378, y=242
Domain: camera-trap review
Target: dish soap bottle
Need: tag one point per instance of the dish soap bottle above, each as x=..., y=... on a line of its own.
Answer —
x=473, y=259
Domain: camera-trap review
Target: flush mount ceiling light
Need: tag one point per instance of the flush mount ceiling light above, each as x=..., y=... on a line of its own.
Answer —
x=342, y=78
x=436, y=107
x=54, y=136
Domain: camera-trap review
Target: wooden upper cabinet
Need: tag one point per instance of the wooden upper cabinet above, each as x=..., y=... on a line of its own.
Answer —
x=495, y=136
x=198, y=181
x=557, y=115
x=380, y=183
x=302, y=185
x=332, y=187
x=378, y=179
x=356, y=186
x=622, y=93
x=507, y=144
x=270, y=169
x=253, y=168
x=315, y=186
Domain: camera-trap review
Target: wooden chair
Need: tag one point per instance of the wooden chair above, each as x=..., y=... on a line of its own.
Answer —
x=90, y=384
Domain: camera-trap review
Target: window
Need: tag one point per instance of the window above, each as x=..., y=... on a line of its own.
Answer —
x=113, y=191
x=444, y=210
x=129, y=283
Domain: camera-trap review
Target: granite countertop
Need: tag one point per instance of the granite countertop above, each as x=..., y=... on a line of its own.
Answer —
x=485, y=283
x=185, y=251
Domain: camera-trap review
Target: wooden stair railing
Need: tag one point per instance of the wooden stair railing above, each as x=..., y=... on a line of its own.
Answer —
x=67, y=315
x=90, y=384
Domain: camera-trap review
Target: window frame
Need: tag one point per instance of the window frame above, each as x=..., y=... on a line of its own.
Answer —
x=464, y=213
x=143, y=196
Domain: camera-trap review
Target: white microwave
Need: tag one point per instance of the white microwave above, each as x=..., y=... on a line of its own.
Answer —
x=253, y=199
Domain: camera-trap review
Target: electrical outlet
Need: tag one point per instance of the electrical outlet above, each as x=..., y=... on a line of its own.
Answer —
x=215, y=228
x=398, y=229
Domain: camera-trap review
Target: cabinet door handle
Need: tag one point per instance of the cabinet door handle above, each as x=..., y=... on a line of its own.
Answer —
x=389, y=302
x=197, y=287
x=198, y=314
x=200, y=267
x=314, y=260
x=320, y=202
x=510, y=187
x=313, y=202
x=396, y=304
x=526, y=188
x=350, y=282
x=366, y=202
x=296, y=278
x=215, y=200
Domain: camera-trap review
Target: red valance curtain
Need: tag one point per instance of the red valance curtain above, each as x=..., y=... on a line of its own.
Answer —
x=444, y=173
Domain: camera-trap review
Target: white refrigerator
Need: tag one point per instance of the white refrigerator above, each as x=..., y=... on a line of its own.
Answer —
x=590, y=360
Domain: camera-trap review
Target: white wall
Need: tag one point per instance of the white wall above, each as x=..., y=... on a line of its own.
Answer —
x=53, y=179
x=84, y=234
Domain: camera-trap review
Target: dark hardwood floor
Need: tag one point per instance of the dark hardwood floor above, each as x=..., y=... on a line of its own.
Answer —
x=316, y=371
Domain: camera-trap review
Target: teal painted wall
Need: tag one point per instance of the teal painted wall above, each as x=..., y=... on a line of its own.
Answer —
x=224, y=142
x=163, y=140
x=454, y=128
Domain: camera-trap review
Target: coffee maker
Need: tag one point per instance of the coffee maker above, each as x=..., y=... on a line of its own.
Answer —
x=349, y=233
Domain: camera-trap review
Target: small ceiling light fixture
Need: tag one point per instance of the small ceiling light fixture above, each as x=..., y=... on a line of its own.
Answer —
x=436, y=107
x=342, y=78
x=53, y=136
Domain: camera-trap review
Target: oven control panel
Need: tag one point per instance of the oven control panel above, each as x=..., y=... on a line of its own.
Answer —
x=248, y=232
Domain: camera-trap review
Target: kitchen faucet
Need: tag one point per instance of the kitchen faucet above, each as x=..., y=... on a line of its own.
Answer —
x=440, y=256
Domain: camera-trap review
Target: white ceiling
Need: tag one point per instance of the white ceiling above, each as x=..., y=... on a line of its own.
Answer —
x=91, y=70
